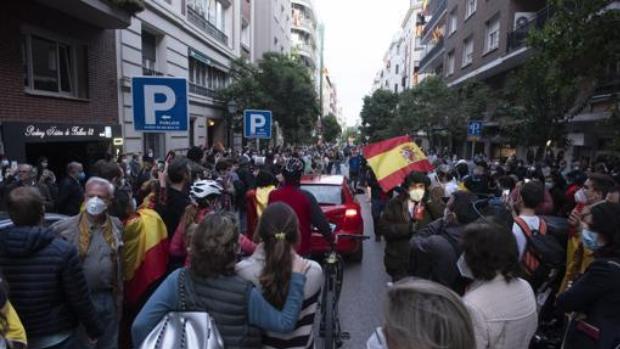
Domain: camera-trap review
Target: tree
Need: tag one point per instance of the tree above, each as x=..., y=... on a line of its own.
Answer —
x=571, y=54
x=331, y=128
x=279, y=83
x=377, y=111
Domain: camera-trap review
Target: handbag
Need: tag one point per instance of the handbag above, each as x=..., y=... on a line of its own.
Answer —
x=184, y=329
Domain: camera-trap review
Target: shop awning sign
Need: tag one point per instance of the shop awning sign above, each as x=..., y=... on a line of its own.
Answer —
x=160, y=104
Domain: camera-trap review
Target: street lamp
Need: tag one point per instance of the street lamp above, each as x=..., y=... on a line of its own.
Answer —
x=232, y=110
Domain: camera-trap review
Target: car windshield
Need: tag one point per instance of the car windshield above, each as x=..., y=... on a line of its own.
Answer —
x=325, y=194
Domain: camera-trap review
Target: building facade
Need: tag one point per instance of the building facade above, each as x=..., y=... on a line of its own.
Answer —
x=193, y=39
x=305, y=39
x=272, y=27
x=412, y=32
x=392, y=75
x=58, y=74
x=432, y=36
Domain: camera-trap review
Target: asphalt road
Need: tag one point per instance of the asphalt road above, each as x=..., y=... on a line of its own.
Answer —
x=363, y=293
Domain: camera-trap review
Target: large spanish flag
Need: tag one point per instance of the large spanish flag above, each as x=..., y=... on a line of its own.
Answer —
x=393, y=159
x=145, y=253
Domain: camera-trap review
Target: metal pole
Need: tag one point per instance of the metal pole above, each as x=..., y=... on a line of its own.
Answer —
x=473, y=148
x=257, y=145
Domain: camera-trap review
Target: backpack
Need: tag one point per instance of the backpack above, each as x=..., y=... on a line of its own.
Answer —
x=541, y=248
x=184, y=329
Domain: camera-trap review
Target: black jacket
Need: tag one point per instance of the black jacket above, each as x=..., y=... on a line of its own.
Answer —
x=70, y=197
x=172, y=212
x=46, y=281
x=597, y=294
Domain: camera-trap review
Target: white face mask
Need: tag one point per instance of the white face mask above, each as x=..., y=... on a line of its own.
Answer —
x=95, y=206
x=464, y=269
x=581, y=197
x=416, y=195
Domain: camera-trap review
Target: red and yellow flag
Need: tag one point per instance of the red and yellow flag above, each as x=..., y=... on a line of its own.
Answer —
x=145, y=253
x=393, y=159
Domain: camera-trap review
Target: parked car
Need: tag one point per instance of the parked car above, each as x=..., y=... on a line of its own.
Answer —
x=341, y=209
x=50, y=218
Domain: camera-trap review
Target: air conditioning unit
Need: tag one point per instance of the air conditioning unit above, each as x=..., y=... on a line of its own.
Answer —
x=522, y=19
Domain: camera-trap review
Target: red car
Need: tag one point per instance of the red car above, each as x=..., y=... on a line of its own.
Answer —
x=341, y=209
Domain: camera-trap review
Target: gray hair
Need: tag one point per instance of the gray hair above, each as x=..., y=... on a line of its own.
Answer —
x=426, y=315
x=102, y=182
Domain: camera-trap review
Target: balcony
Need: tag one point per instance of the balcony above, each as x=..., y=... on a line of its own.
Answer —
x=430, y=56
x=198, y=20
x=151, y=72
x=305, y=24
x=202, y=90
x=103, y=14
x=518, y=38
x=441, y=7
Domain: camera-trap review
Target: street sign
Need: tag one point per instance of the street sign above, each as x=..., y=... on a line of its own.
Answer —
x=159, y=104
x=474, y=129
x=257, y=124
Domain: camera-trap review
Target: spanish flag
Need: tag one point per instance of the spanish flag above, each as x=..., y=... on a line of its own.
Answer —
x=393, y=159
x=145, y=253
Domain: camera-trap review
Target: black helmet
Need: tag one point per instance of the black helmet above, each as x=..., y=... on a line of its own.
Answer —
x=294, y=168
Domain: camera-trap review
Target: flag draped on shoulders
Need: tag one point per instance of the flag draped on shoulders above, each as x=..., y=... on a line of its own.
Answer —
x=393, y=159
x=145, y=253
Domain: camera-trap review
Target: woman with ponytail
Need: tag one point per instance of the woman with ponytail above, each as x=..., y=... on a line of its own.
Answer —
x=270, y=269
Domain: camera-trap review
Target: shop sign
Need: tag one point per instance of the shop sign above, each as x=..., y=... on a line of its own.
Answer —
x=53, y=131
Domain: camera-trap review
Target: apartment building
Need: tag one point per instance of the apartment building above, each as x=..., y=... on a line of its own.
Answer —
x=412, y=31
x=193, y=39
x=330, y=95
x=272, y=27
x=434, y=17
x=305, y=36
x=57, y=80
x=393, y=75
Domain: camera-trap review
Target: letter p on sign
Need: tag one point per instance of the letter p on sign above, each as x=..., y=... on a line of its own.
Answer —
x=151, y=106
x=257, y=121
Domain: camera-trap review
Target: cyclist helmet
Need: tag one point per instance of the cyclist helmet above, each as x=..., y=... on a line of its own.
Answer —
x=294, y=168
x=204, y=188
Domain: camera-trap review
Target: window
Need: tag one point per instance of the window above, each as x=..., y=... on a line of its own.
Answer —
x=491, y=41
x=275, y=41
x=206, y=75
x=149, y=52
x=155, y=143
x=450, y=63
x=468, y=52
x=452, y=22
x=470, y=8
x=396, y=69
x=395, y=88
x=56, y=67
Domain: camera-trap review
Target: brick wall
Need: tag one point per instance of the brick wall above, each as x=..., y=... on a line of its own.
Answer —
x=17, y=105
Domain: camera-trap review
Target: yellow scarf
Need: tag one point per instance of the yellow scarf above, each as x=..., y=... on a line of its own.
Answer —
x=262, y=198
x=85, y=236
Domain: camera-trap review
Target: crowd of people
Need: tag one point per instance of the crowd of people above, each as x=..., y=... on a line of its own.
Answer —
x=481, y=254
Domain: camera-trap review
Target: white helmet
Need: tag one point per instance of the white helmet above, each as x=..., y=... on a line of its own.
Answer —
x=204, y=188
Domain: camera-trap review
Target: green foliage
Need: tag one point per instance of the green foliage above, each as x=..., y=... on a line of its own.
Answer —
x=377, y=112
x=279, y=83
x=331, y=128
x=431, y=106
x=571, y=52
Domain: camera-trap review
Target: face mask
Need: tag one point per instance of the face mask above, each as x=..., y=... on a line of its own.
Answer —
x=464, y=269
x=580, y=197
x=548, y=185
x=590, y=239
x=44, y=164
x=134, y=204
x=5, y=163
x=82, y=176
x=416, y=195
x=95, y=206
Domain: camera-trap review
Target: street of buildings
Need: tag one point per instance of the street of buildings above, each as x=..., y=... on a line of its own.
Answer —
x=475, y=40
x=67, y=68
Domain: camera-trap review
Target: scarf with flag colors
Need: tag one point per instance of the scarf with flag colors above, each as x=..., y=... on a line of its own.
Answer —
x=145, y=254
x=393, y=159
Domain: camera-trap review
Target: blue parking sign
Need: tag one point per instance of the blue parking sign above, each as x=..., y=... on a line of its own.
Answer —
x=257, y=124
x=160, y=104
x=474, y=129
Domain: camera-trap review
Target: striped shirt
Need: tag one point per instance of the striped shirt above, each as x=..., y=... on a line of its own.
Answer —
x=303, y=335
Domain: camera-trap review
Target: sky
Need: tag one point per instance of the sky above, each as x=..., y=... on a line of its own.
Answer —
x=357, y=35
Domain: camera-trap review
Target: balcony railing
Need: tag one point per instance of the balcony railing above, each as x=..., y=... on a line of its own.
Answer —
x=198, y=20
x=441, y=7
x=151, y=72
x=431, y=54
x=202, y=90
x=307, y=24
x=518, y=37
